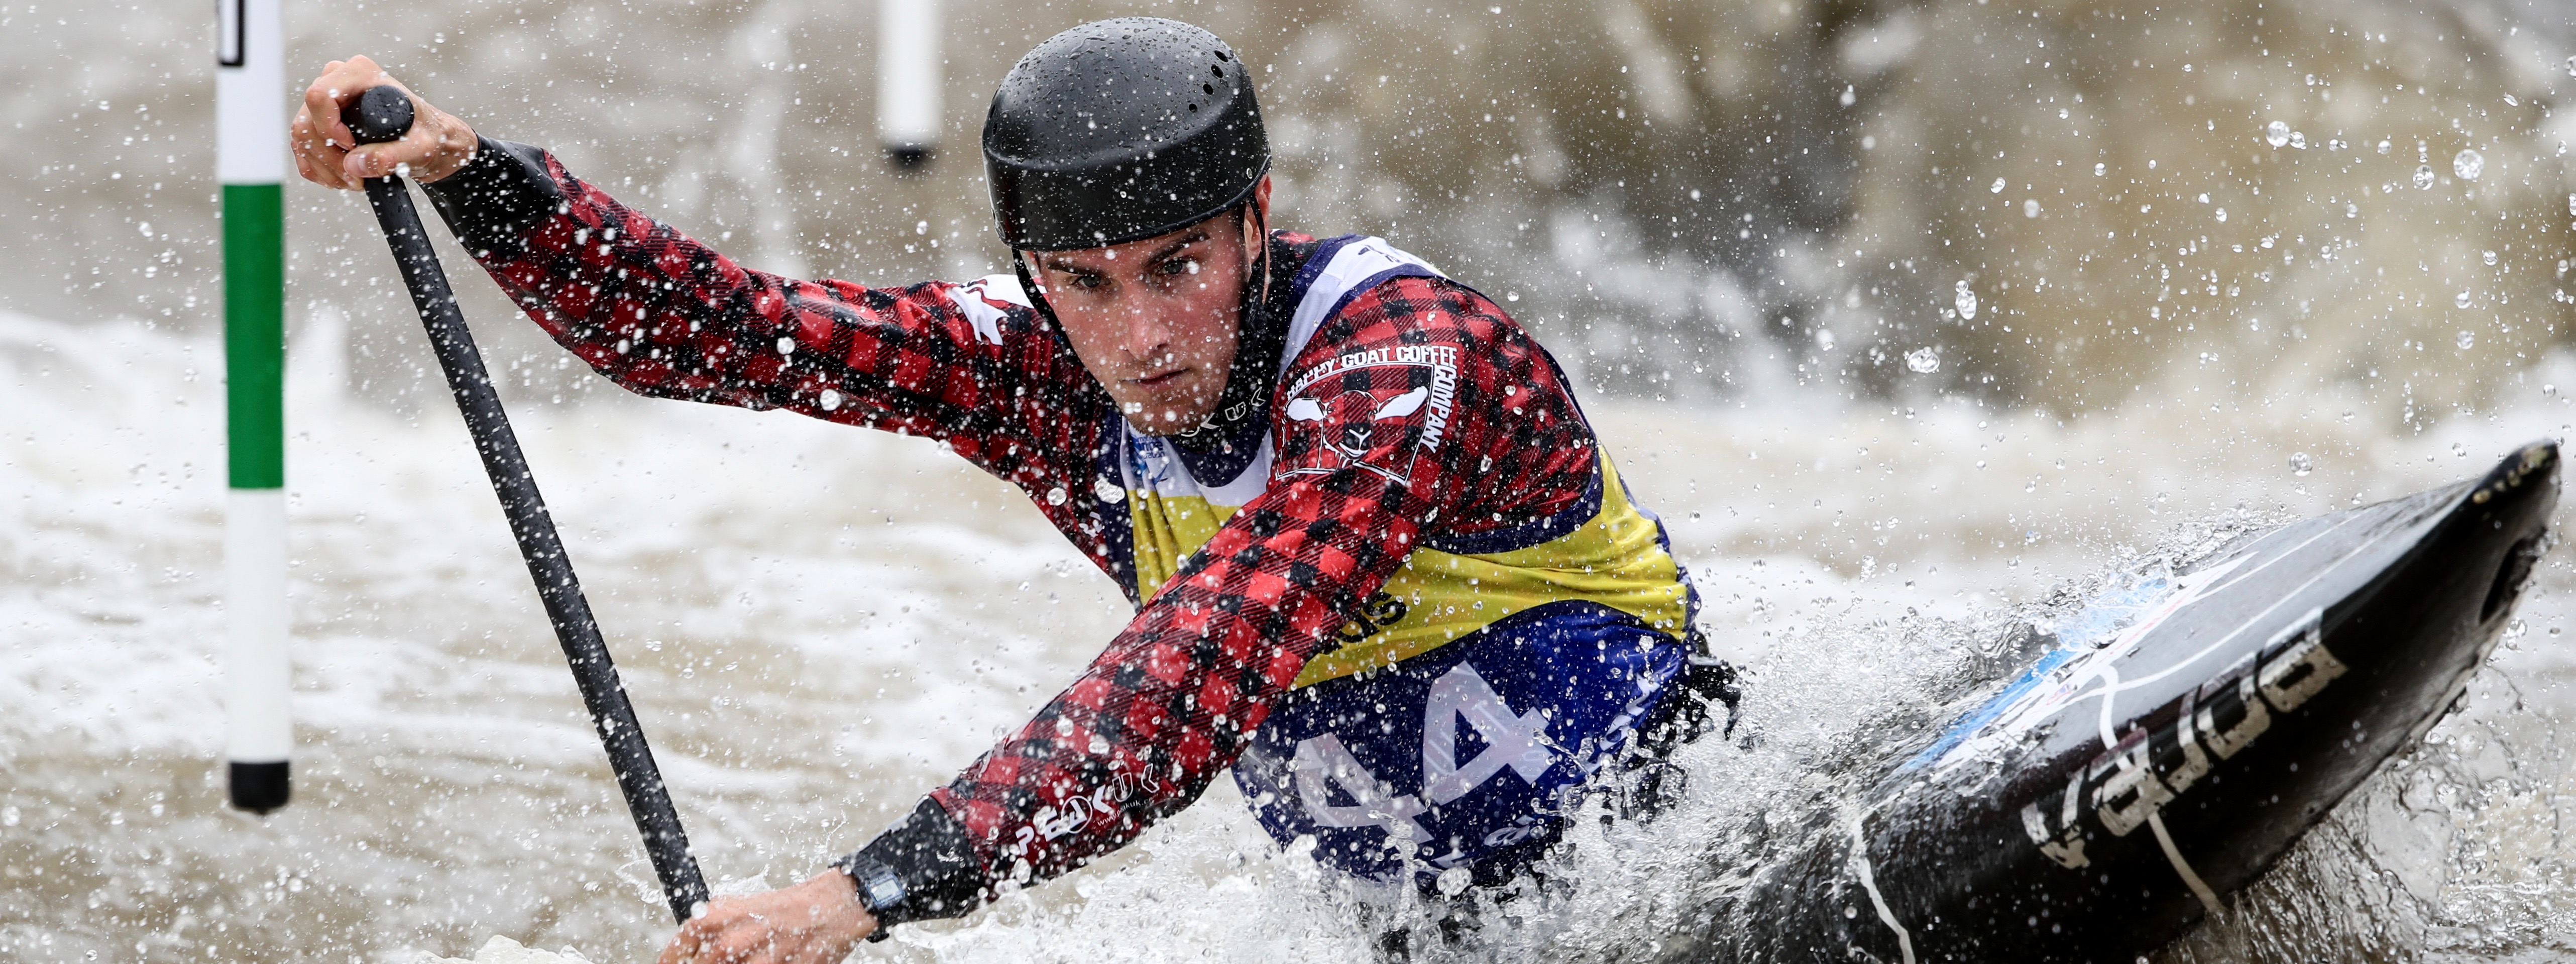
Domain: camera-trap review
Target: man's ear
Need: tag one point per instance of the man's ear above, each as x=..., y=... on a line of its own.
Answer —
x=1257, y=227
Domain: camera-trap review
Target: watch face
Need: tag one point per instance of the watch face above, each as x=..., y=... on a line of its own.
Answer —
x=883, y=887
x=879, y=886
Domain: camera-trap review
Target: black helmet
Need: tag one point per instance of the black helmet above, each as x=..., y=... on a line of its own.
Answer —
x=1118, y=130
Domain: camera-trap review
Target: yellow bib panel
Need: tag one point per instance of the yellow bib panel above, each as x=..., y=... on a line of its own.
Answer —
x=1617, y=559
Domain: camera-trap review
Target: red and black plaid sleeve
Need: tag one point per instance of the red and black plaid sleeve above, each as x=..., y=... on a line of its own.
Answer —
x=1173, y=699
x=665, y=316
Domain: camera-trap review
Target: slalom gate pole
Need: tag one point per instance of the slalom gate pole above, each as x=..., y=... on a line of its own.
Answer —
x=250, y=161
x=385, y=114
x=908, y=87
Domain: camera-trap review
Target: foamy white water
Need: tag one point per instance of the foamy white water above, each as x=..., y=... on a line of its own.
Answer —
x=819, y=623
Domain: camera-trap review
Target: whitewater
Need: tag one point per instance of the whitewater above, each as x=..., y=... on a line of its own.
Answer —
x=819, y=623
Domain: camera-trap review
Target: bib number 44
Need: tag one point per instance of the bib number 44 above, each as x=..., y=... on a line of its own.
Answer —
x=1513, y=741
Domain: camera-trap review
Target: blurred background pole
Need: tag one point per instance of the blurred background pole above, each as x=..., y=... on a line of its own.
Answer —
x=908, y=79
x=250, y=160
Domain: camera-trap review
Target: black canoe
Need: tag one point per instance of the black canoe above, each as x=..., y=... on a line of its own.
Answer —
x=2118, y=791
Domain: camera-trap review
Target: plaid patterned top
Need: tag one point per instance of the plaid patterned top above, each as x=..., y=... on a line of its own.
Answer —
x=1360, y=481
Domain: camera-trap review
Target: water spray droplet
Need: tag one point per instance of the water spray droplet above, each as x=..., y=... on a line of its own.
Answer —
x=1998, y=187
x=2301, y=464
x=2489, y=257
x=2468, y=340
x=2461, y=300
x=1923, y=361
x=1966, y=299
x=2276, y=133
x=2423, y=177
x=2468, y=164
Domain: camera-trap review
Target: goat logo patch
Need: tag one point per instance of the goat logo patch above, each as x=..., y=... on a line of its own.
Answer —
x=1375, y=409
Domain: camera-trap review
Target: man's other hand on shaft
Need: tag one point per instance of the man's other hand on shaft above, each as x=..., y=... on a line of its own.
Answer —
x=815, y=922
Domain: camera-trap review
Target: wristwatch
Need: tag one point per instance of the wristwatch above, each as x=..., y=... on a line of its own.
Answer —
x=879, y=888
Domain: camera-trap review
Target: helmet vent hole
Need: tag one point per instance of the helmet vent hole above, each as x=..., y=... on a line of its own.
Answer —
x=1214, y=69
x=1220, y=55
x=1209, y=88
x=1194, y=108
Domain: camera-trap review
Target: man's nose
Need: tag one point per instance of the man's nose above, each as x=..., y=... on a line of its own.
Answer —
x=1148, y=338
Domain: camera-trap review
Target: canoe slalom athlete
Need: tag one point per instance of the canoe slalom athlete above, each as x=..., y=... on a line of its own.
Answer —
x=1382, y=568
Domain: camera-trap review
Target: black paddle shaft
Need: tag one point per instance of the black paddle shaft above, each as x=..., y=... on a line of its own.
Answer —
x=385, y=114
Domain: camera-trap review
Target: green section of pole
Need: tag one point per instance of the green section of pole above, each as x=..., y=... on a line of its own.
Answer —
x=255, y=333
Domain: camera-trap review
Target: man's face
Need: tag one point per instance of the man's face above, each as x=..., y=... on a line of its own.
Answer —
x=1156, y=320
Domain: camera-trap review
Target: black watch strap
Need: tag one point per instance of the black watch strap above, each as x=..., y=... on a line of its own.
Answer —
x=922, y=868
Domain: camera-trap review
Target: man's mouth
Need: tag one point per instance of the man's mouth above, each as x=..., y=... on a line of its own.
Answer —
x=1160, y=381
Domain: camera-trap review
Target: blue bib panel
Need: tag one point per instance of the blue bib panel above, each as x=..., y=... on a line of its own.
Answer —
x=1462, y=756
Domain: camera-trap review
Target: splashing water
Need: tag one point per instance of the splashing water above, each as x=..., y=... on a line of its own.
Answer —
x=2301, y=463
x=1923, y=361
x=444, y=765
x=502, y=950
x=2468, y=164
x=1965, y=299
x=2276, y=133
x=2424, y=177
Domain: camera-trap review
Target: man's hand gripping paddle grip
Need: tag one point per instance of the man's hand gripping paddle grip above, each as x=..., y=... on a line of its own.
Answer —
x=384, y=114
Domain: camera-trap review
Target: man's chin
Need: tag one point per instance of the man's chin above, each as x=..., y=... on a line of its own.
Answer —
x=1161, y=419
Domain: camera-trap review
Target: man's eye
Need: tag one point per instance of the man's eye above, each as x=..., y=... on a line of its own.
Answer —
x=1086, y=281
x=1181, y=266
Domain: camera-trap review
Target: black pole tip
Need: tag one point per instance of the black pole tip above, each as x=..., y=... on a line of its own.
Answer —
x=259, y=787
x=909, y=158
x=379, y=115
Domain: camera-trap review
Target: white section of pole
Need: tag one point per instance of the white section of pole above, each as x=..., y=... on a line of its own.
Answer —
x=908, y=78
x=259, y=728
x=250, y=93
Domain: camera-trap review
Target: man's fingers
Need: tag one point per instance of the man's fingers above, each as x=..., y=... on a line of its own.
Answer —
x=317, y=99
x=315, y=158
x=689, y=945
x=340, y=84
x=747, y=945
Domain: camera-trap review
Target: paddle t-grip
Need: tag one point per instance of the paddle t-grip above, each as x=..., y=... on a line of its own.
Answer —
x=381, y=114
